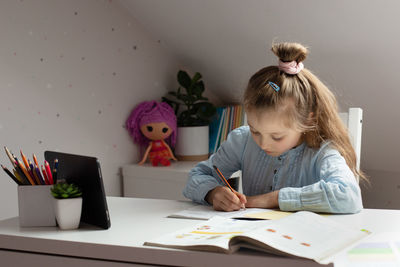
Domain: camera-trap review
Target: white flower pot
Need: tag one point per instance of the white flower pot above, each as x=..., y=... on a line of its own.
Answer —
x=68, y=212
x=192, y=143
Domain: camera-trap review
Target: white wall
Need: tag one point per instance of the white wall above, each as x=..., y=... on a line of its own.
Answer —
x=354, y=49
x=70, y=73
x=383, y=193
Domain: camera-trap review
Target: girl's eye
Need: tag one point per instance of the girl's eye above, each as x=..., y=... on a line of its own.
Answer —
x=165, y=129
x=277, y=138
x=149, y=128
x=255, y=133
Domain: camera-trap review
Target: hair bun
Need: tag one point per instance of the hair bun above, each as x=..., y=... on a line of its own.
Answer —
x=288, y=52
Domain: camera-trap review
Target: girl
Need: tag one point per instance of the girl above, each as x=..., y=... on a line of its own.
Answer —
x=295, y=153
x=149, y=124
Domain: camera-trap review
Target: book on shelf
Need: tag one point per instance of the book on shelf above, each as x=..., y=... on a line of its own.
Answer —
x=227, y=119
x=302, y=234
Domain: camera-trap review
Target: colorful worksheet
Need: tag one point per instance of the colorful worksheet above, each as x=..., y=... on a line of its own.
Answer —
x=302, y=234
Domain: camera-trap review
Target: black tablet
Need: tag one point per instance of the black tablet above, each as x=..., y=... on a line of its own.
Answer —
x=85, y=172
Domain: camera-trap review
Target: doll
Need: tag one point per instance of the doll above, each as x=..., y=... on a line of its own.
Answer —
x=153, y=125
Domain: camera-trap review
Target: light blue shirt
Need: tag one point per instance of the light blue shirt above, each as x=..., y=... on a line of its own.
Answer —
x=308, y=179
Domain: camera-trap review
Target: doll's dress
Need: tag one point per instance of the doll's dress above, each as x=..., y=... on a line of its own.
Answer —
x=159, y=153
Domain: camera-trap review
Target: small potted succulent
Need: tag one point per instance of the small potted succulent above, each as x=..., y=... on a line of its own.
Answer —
x=67, y=205
x=194, y=113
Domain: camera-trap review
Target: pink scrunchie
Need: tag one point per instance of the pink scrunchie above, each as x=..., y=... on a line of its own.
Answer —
x=291, y=67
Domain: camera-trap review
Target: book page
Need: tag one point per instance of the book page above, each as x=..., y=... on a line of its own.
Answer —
x=202, y=212
x=216, y=232
x=303, y=234
x=381, y=249
x=268, y=215
x=306, y=234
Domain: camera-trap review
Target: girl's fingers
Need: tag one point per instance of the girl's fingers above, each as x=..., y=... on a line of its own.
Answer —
x=232, y=202
x=242, y=198
x=225, y=200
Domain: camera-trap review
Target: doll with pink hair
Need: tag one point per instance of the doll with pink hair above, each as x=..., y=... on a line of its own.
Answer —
x=153, y=125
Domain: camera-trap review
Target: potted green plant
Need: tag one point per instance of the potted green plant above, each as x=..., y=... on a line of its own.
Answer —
x=67, y=204
x=194, y=113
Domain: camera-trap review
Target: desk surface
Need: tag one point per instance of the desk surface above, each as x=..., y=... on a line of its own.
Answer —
x=134, y=221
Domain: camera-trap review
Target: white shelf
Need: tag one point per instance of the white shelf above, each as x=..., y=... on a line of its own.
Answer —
x=147, y=181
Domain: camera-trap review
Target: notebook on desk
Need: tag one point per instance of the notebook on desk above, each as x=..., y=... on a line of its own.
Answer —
x=85, y=172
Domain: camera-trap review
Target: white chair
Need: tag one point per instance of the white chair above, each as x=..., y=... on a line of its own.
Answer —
x=353, y=120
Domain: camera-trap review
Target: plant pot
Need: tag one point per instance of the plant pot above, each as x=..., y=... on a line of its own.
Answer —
x=68, y=212
x=192, y=143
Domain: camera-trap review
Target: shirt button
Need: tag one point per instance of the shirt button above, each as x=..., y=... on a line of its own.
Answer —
x=279, y=158
x=275, y=171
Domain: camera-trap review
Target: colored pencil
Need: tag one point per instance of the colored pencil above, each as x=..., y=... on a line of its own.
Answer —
x=9, y=155
x=30, y=168
x=226, y=182
x=35, y=159
x=55, y=168
x=30, y=179
x=19, y=177
x=46, y=180
x=24, y=160
x=48, y=172
x=41, y=180
x=33, y=174
x=221, y=176
x=22, y=175
x=11, y=175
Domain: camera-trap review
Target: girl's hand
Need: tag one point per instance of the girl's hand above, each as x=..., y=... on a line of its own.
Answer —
x=222, y=198
x=265, y=201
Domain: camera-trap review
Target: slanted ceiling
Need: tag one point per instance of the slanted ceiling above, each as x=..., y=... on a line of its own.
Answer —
x=354, y=48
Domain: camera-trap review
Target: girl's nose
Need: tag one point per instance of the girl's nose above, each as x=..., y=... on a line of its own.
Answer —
x=264, y=143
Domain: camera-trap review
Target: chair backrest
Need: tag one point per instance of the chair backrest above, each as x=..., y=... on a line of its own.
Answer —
x=353, y=120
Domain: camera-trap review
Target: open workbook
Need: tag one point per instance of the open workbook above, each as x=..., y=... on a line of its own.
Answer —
x=202, y=212
x=302, y=234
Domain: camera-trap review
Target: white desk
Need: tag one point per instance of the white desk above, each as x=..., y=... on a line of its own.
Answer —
x=134, y=221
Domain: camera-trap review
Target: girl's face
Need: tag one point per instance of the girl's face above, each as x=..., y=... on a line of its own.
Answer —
x=271, y=134
x=156, y=130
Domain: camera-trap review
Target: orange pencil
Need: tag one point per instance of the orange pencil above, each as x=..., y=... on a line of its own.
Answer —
x=226, y=182
x=24, y=160
x=35, y=160
x=26, y=172
x=223, y=178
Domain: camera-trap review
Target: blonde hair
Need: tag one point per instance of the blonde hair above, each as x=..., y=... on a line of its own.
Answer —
x=309, y=106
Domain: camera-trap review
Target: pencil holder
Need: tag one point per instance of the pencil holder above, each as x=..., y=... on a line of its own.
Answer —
x=35, y=205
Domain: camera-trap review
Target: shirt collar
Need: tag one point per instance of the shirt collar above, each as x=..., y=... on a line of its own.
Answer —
x=292, y=151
